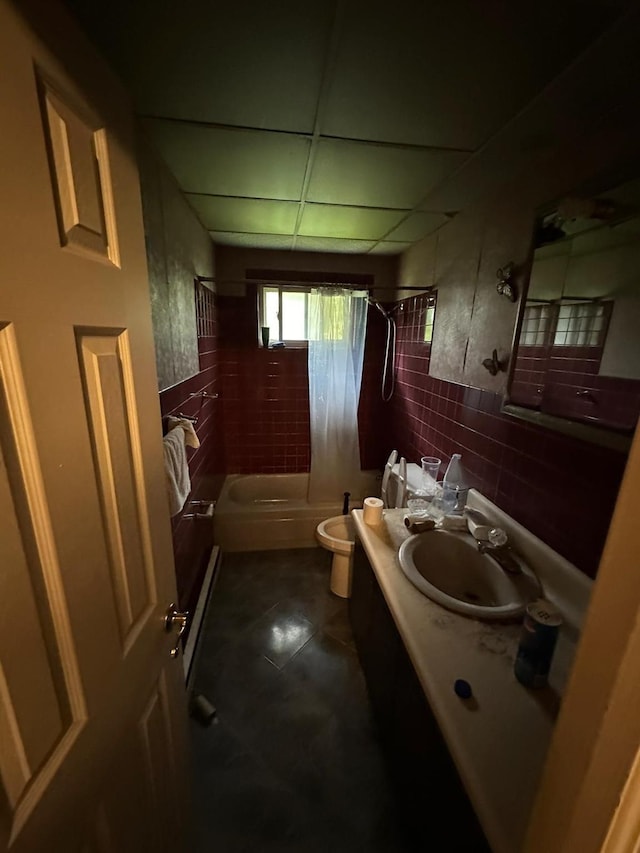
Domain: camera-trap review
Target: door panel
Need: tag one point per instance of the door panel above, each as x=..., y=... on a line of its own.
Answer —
x=80, y=175
x=92, y=711
x=106, y=372
x=137, y=812
x=32, y=609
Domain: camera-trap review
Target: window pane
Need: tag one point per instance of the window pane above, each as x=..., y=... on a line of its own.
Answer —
x=428, y=326
x=534, y=325
x=294, y=316
x=583, y=324
x=271, y=312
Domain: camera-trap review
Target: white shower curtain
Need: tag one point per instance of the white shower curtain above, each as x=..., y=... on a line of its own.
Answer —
x=337, y=326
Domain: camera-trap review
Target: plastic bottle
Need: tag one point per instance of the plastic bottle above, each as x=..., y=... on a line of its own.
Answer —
x=455, y=485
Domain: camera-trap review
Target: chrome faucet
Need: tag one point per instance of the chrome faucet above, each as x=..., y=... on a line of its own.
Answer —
x=497, y=546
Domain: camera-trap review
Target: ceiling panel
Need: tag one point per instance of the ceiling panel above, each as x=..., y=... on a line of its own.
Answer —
x=232, y=162
x=376, y=176
x=248, y=63
x=254, y=241
x=360, y=223
x=416, y=226
x=331, y=244
x=248, y=215
x=463, y=76
x=450, y=75
x=385, y=247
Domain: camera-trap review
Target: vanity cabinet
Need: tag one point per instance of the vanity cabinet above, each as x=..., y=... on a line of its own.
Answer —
x=432, y=803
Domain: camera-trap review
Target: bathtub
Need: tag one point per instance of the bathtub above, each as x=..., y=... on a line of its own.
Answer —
x=257, y=512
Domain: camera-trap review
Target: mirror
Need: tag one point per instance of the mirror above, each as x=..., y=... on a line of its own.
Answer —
x=577, y=354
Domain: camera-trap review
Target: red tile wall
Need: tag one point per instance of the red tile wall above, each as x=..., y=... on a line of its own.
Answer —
x=562, y=489
x=565, y=381
x=192, y=540
x=372, y=428
x=265, y=395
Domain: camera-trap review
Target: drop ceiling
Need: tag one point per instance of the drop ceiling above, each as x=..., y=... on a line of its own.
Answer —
x=337, y=126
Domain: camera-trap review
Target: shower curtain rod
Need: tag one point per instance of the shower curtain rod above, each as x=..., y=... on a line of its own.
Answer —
x=214, y=280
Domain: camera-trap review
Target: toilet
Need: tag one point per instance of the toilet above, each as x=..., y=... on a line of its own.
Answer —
x=337, y=534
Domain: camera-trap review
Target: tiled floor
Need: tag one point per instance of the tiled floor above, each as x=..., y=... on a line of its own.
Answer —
x=291, y=762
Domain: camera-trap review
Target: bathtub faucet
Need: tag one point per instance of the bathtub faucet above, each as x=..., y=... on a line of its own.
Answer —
x=345, y=505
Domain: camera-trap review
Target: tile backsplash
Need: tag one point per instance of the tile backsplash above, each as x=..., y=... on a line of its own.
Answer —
x=562, y=489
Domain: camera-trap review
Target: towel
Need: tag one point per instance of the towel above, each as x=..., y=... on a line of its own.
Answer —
x=190, y=437
x=176, y=468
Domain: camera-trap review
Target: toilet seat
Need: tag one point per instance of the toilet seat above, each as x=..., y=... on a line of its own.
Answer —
x=337, y=534
x=388, y=468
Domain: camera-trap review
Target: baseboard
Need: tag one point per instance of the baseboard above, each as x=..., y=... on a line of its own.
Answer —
x=198, y=613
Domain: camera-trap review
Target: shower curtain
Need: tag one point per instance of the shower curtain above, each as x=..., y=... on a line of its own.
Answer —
x=336, y=326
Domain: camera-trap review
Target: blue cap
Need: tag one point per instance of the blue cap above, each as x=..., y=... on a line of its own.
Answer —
x=462, y=688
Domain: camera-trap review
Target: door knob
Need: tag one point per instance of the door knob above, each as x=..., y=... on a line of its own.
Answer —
x=174, y=617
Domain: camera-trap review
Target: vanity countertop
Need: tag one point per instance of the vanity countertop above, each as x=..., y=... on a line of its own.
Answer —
x=498, y=739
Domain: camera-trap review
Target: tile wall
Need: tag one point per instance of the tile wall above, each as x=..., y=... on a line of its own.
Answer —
x=178, y=250
x=562, y=489
x=566, y=381
x=192, y=540
x=266, y=396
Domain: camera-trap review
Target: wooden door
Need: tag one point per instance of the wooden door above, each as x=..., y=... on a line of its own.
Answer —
x=92, y=715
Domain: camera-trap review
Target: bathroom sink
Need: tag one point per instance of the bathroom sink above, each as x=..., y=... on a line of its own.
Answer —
x=447, y=567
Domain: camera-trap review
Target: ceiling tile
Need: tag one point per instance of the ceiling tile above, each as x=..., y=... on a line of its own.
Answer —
x=360, y=223
x=252, y=63
x=376, y=176
x=333, y=244
x=232, y=162
x=416, y=226
x=255, y=241
x=244, y=214
x=450, y=77
x=385, y=247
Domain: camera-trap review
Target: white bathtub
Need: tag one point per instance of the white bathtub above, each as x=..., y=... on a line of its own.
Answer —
x=257, y=512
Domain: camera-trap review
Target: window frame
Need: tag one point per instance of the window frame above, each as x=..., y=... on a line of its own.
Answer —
x=551, y=331
x=290, y=343
x=430, y=307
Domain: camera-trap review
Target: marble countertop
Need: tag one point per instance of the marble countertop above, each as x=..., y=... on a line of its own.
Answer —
x=499, y=738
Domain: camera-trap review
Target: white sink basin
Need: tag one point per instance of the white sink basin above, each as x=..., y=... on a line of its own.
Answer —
x=448, y=568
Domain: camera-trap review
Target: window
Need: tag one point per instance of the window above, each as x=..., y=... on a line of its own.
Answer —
x=285, y=310
x=565, y=323
x=205, y=310
x=580, y=324
x=535, y=322
x=429, y=320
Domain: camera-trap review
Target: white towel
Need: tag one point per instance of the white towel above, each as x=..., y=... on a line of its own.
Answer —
x=190, y=437
x=176, y=468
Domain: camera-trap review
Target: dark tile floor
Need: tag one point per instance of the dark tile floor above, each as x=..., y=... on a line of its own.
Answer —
x=292, y=762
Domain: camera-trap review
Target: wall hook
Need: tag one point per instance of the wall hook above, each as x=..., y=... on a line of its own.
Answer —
x=505, y=286
x=493, y=364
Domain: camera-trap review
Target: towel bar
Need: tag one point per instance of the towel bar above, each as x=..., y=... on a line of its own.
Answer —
x=208, y=506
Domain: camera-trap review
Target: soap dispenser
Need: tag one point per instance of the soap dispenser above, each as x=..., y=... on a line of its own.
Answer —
x=455, y=485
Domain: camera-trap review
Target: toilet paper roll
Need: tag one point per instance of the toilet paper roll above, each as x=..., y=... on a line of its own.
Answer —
x=372, y=511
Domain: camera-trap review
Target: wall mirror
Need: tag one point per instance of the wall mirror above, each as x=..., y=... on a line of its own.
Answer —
x=576, y=357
